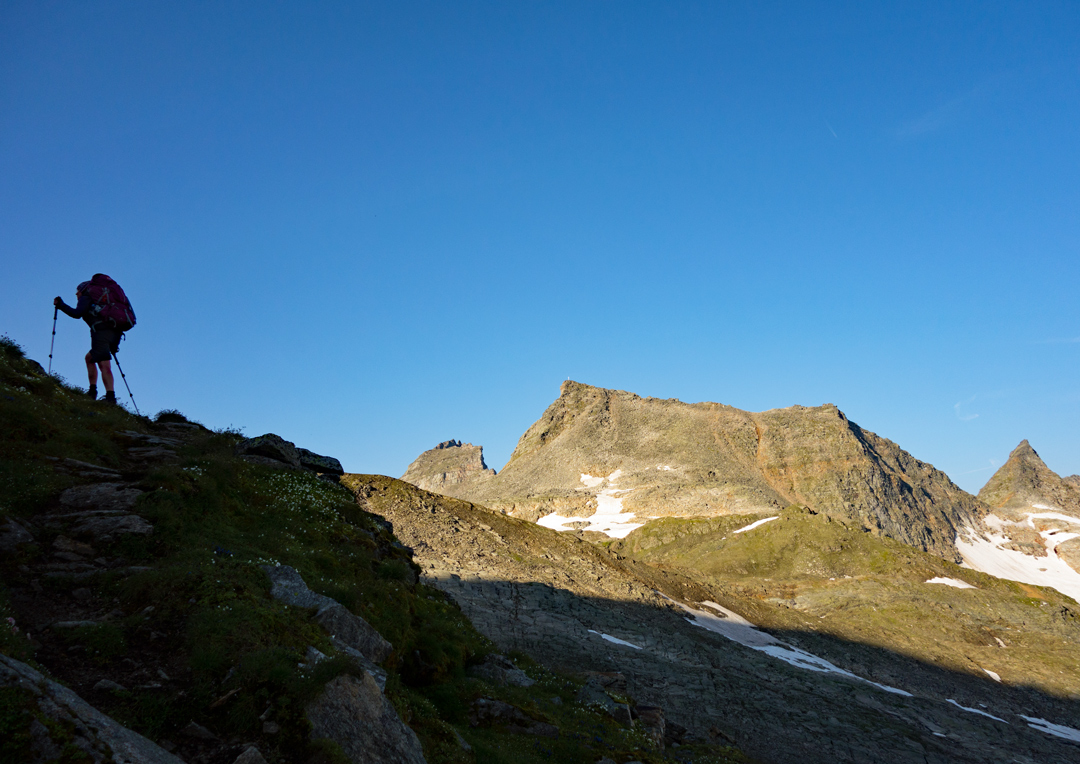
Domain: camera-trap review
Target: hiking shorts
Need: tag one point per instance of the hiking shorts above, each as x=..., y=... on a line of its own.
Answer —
x=104, y=341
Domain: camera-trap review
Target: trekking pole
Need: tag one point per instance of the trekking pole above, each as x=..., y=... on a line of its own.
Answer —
x=121, y=368
x=55, y=310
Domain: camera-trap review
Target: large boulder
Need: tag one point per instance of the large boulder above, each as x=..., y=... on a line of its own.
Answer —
x=486, y=712
x=353, y=712
x=105, y=528
x=98, y=736
x=101, y=497
x=318, y=463
x=345, y=626
x=500, y=670
x=269, y=446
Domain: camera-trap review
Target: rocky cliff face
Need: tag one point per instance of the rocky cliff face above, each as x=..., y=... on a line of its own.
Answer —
x=1025, y=480
x=706, y=459
x=448, y=467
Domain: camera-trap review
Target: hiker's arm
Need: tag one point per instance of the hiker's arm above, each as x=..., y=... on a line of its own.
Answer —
x=78, y=311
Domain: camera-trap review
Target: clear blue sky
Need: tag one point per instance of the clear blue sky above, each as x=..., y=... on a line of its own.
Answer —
x=373, y=227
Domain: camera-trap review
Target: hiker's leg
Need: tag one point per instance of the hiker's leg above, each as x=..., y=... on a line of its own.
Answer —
x=106, y=375
x=91, y=371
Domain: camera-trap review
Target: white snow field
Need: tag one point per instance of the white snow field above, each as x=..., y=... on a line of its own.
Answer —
x=615, y=640
x=609, y=517
x=951, y=582
x=736, y=628
x=1058, y=730
x=976, y=711
x=988, y=555
x=753, y=525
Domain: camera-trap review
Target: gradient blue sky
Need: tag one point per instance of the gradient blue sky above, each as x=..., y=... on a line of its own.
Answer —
x=373, y=227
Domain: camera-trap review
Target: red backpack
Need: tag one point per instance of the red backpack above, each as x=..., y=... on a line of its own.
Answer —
x=111, y=305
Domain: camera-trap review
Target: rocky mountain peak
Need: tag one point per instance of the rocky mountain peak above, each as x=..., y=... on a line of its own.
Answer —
x=596, y=452
x=448, y=466
x=1025, y=480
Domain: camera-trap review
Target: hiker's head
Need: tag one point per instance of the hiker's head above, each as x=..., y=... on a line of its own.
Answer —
x=81, y=288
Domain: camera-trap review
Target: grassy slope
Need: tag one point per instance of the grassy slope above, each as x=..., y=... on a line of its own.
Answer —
x=804, y=573
x=202, y=611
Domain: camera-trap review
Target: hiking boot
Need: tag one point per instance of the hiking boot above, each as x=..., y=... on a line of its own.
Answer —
x=110, y=397
x=92, y=392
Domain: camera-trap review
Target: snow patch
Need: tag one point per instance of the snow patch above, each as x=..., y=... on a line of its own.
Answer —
x=751, y=526
x=993, y=675
x=1058, y=730
x=615, y=640
x=951, y=582
x=975, y=711
x=733, y=626
x=664, y=468
x=590, y=481
x=608, y=518
x=990, y=556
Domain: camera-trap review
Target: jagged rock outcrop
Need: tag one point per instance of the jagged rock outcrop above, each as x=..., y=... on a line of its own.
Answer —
x=447, y=466
x=1025, y=480
x=93, y=733
x=274, y=451
x=354, y=713
x=268, y=447
x=706, y=459
x=318, y=463
x=350, y=629
x=351, y=710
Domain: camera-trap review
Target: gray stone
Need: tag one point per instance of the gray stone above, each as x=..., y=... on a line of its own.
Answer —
x=354, y=631
x=592, y=694
x=151, y=453
x=108, y=685
x=91, y=470
x=42, y=744
x=485, y=712
x=318, y=463
x=353, y=712
x=72, y=624
x=11, y=535
x=101, y=496
x=346, y=627
x=149, y=440
x=266, y=461
x=102, y=738
x=377, y=672
x=500, y=670
x=105, y=528
x=651, y=718
x=269, y=446
x=198, y=732
x=64, y=544
x=250, y=755
x=462, y=742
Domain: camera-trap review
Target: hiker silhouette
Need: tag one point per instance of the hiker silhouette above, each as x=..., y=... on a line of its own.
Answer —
x=102, y=304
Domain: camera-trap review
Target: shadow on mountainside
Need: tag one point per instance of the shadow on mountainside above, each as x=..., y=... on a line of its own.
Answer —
x=573, y=606
x=771, y=709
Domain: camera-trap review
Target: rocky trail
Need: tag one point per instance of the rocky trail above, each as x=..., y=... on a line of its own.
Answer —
x=52, y=597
